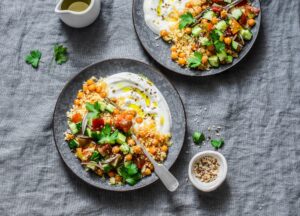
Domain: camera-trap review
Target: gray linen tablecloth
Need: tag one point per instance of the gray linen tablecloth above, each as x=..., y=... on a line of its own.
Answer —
x=257, y=104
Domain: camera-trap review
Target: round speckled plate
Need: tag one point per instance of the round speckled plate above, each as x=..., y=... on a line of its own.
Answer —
x=103, y=69
x=160, y=50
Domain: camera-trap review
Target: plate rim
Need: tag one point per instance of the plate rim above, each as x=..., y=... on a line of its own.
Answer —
x=201, y=73
x=155, y=178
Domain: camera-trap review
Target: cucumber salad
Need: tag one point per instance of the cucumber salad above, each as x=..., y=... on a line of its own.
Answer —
x=105, y=114
x=212, y=39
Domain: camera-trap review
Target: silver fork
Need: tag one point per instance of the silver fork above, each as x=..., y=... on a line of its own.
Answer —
x=161, y=171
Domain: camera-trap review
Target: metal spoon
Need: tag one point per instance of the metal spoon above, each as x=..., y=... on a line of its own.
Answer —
x=161, y=171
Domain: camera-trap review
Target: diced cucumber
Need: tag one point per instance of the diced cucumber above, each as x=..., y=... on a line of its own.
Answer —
x=121, y=138
x=110, y=108
x=89, y=132
x=228, y=1
x=222, y=25
x=229, y=59
x=102, y=106
x=125, y=148
x=246, y=34
x=205, y=41
x=107, y=167
x=196, y=31
x=236, y=13
x=209, y=15
x=222, y=56
x=213, y=61
x=73, y=128
x=73, y=144
x=234, y=45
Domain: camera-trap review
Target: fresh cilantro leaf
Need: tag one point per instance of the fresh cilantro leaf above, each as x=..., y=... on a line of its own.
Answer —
x=95, y=156
x=33, y=58
x=186, y=19
x=91, y=107
x=195, y=61
x=131, y=168
x=214, y=36
x=73, y=144
x=132, y=180
x=219, y=45
x=60, y=54
x=198, y=137
x=217, y=143
x=106, y=136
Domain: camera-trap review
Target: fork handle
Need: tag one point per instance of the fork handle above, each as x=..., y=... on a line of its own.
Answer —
x=166, y=177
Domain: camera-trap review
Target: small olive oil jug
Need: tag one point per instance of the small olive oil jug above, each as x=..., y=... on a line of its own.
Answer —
x=78, y=13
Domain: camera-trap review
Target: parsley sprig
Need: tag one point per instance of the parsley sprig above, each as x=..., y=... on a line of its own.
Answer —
x=60, y=54
x=129, y=172
x=186, y=19
x=33, y=58
x=195, y=61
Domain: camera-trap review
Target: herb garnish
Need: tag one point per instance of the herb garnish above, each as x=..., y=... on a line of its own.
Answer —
x=106, y=136
x=198, y=137
x=129, y=172
x=60, y=54
x=186, y=19
x=195, y=61
x=217, y=143
x=33, y=58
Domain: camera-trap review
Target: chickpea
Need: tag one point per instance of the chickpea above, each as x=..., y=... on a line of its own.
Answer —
x=181, y=55
x=164, y=33
x=131, y=112
x=189, y=5
x=103, y=94
x=182, y=61
x=99, y=172
x=214, y=20
x=152, y=150
x=77, y=102
x=98, y=89
x=80, y=95
x=227, y=40
x=147, y=172
x=85, y=87
x=174, y=55
x=251, y=22
x=92, y=87
x=188, y=30
x=116, y=149
x=204, y=59
x=131, y=142
x=198, y=9
x=221, y=38
x=142, y=133
x=137, y=150
x=116, y=111
x=128, y=157
x=111, y=173
x=139, y=120
x=173, y=48
x=129, y=117
x=118, y=178
x=155, y=142
x=223, y=14
x=164, y=148
x=90, y=82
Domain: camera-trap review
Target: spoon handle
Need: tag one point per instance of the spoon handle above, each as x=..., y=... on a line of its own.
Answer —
x=166, y=177
x=161, y=171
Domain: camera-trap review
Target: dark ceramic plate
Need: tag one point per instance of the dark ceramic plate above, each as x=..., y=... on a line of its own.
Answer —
x=103, y=69
x=160, y=50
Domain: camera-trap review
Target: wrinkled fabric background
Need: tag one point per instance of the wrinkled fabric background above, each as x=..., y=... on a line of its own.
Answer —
x=257, y=103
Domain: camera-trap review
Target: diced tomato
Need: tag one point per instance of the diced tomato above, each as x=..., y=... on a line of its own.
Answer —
x=98, y=124
x=76, y=118
x=216, y=9
x=140, y=161
x=243, y=19
x=122, y=123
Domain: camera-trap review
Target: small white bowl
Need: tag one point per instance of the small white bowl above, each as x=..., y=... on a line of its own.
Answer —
x=207, y=187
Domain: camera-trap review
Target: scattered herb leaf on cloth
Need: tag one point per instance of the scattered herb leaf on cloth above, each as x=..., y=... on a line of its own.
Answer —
x=198, y=137
x=217, y=143
x=186, y=19
x=60, y=54
x=33, y=58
